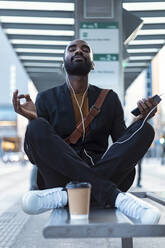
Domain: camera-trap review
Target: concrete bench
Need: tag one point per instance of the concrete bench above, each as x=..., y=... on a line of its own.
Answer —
x=103, y=223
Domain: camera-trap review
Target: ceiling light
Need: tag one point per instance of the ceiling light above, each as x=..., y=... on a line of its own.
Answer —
x=41, y=58
x=145, y=50
x=150, y=20
x=140, y=57
x=151, y=31
x=41, y=64
x=39, y=32
x=31, y=50
x=144, y=6
x=43, y=70
x=40, y=42
x=146, y=42
x=36, y=20
x=37, y=6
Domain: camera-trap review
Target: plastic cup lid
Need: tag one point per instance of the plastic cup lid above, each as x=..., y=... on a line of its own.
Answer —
x=74, y=185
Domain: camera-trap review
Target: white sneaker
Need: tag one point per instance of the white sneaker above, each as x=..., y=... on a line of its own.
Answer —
x=39, y=201
x=141, y=211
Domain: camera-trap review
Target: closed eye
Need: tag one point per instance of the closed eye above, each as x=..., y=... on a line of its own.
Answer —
x=72, y=48
x=86, y=49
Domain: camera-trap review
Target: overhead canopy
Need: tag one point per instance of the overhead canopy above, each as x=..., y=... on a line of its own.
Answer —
x=40, y=30
x=150, y=38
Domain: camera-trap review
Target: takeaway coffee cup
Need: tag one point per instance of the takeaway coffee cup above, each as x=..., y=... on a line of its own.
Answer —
x=79, y=199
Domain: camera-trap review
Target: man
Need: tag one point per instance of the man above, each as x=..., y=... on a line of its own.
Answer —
x=54, y=117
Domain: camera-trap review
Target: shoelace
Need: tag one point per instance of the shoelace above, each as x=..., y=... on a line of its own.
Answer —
x=52, y=199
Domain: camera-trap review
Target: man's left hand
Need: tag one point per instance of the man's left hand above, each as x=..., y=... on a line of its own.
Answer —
x=145, y=106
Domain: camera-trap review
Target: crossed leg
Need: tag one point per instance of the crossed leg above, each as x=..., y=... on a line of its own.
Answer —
x=58, y=163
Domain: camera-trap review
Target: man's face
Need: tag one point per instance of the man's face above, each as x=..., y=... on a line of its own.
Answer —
x=78, y=58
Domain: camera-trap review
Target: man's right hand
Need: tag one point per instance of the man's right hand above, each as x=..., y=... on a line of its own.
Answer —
x=27, y=109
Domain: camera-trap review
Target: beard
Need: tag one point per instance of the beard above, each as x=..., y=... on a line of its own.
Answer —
x=77, y=68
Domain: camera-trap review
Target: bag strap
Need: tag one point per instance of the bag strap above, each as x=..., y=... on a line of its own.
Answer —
x=95, y=109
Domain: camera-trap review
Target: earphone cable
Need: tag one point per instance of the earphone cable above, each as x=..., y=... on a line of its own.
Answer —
x=122, y=142
x=81, y=114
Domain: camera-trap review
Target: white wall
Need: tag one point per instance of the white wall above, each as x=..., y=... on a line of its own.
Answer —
x=12, y=72
x=21, y=121
x=12, y=76
x=135, y=92
x=162, y=83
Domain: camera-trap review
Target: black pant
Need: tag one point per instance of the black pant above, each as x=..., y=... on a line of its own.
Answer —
x=58, y=163
x=139, y=169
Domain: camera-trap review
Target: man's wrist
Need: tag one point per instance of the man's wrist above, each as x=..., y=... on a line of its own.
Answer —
x=32, y=118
